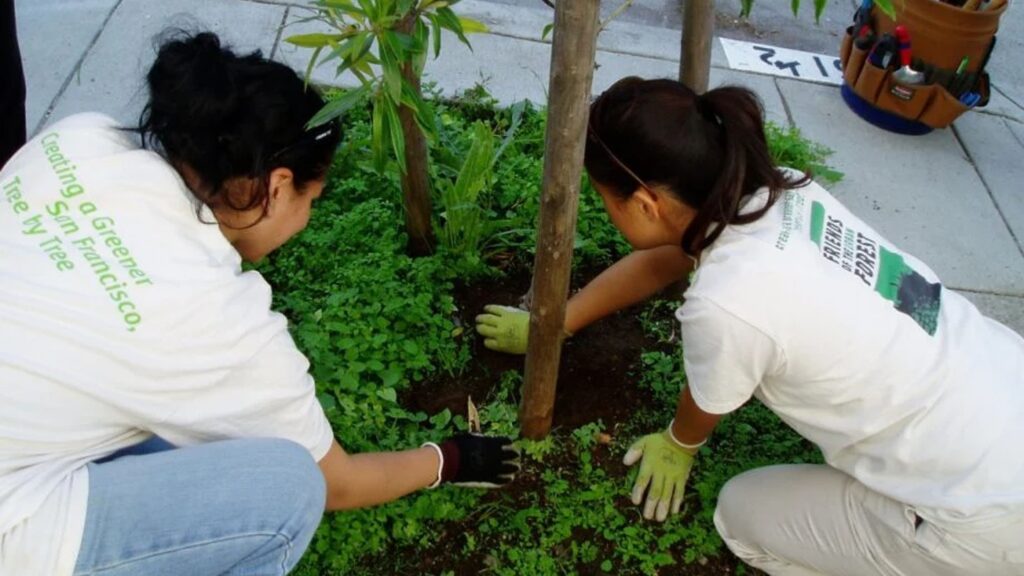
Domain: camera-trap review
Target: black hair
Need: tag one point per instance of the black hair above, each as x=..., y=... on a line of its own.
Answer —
x=226, y=116
x=709, y=151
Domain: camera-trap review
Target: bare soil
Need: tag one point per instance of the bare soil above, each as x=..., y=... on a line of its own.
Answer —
x=596, y=382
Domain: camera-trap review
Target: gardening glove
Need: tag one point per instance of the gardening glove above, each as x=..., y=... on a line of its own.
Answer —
x=476, y=461
x=664, y=468
x=504, y=328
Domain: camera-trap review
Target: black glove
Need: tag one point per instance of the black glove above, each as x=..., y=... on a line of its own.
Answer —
x=476, y=461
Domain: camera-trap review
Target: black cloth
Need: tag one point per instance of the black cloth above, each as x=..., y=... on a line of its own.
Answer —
x=12, y=86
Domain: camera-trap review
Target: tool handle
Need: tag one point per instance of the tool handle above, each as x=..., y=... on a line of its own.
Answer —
x=972, y=5
x=904, y=38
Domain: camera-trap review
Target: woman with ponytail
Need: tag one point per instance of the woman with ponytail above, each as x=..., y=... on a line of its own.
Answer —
x=156, y=417
x=915, y=398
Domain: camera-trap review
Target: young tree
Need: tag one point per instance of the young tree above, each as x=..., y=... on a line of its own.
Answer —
x=385, y=43
x=572, y=72
x=698, y=28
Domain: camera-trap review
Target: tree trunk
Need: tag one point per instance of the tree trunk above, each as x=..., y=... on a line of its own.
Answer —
x=572, y=72
x=698, y=29
x=416, y=180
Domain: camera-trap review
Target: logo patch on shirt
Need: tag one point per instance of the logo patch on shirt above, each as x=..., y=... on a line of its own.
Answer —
x=877, y=267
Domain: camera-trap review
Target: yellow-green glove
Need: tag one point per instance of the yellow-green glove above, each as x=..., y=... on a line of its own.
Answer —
x=664, y=469
x=505, y=329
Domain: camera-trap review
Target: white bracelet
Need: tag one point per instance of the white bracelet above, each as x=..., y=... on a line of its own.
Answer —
x=440, y=464
x=682, y=445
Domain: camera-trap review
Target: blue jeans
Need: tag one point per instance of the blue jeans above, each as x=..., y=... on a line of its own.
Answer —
x=234, y=507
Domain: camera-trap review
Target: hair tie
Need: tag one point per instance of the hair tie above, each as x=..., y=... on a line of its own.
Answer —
x=706, y=109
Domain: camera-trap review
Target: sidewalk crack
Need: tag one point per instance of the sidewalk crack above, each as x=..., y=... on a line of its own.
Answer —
x=988, y=189
x=1014, y=133
x=785, y=103
x=986, y=292
x=76, y=70
x=1007, y=96
x=280, y=31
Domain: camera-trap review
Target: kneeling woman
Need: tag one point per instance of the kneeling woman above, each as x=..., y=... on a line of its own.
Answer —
x=914, y=397
x=155, y=414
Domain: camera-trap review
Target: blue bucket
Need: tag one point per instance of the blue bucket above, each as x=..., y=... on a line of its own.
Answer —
x=881, y=118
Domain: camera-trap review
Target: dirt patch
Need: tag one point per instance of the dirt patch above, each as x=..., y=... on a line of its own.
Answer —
x=596, y=382
x=447, y=553
x=596, y=377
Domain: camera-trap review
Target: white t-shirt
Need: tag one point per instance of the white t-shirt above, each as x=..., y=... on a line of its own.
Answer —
x=902, y=383
x=122, y=316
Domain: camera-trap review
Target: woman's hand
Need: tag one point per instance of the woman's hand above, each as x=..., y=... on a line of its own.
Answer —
x=368, y=479
x=664, y=469
x=476, y=461
x=632, y=279
x=505, y=329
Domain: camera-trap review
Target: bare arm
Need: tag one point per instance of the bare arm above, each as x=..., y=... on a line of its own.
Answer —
x=632, y=279
x=692, y=425
x=358, y=480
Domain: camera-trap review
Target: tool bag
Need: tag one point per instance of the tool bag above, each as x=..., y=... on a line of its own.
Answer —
x=942, y=36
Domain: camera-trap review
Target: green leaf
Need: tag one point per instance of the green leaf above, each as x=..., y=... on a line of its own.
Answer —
x=327, y=401
x=517, y=119
x=441, y=419
x=450, y=21
x=435, y=27
x=424, y=113
x=315, y=40
x=745, y=7
x=406, y=44
x=394, y=127
x=361, y=45
x=470, y=26
x=463, y=214
x=819, y=9
x=371, y=9
x=477, y=165
x=547, y=30
x=392, y=79
x=336, y=108
x=391, y=377
x=350, y=51
x=422, y=34
x=377, y=131
x=388, y=394
x=392, y=58
x=309, y=67
x=345, y=6
x=794, y=5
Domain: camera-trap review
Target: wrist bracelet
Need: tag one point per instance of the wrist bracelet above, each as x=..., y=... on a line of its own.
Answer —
x=440, y=464
x=683, y=445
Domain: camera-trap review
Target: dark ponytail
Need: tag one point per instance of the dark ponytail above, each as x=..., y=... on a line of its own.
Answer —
x=709, y=151
x=225, y=116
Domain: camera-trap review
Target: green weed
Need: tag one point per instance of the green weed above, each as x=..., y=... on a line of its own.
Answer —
x=789, y=148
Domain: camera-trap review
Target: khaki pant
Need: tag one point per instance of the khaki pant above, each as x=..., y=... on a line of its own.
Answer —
x=806, y=520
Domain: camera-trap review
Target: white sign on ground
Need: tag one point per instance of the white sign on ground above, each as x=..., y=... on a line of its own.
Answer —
x=795, y=64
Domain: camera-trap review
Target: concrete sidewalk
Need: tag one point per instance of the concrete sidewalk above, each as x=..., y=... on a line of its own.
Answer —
x=953, y=198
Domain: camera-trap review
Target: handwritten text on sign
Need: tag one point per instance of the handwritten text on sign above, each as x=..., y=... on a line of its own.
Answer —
x=796, y=64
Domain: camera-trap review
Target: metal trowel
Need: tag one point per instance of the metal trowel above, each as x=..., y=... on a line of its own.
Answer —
x=906, y=75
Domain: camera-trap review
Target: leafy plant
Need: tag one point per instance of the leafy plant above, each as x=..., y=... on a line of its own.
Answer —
x=380, y=327
x=789, y=148
x=384, y=43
